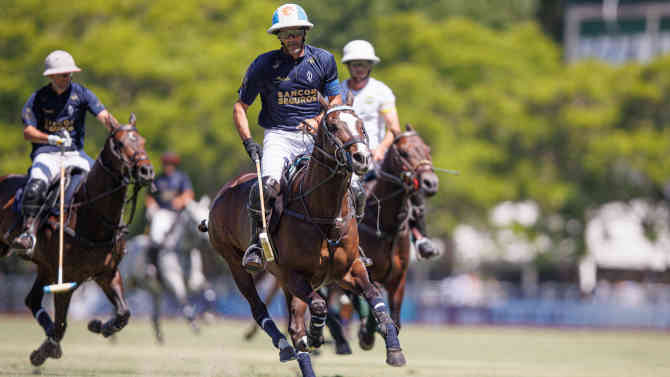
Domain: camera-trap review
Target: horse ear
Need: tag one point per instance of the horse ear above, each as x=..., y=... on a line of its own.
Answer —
x=349, y=101
x=132, y=119
x=409, y=127
x=322, y=100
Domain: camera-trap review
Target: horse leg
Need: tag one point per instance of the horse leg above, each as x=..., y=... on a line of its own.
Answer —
x=396, y=292
x=172, y=276
x=298, y=333
x=245, y=283
x=156, y=301
x=337, y=331
x=113, y=289
x=51, y=345
x=253, y=329
x=357, y=280
x=299, y=286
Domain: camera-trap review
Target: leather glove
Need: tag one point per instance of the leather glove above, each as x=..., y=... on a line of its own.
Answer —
x=61, y=139
x=253, y=149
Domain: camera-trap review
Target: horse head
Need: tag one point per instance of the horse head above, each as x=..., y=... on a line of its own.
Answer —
x=341, y=136
x=409, y=159
x=130, y=160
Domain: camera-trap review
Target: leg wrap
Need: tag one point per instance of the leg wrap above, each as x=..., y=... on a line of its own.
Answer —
x=45, y=321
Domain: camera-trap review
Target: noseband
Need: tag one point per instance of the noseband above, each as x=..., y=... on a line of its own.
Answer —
x=341, y=155
x=407, y=178
x=129, y=165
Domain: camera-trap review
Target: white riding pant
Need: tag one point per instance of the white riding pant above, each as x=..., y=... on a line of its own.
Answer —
x=280, y=148
x=46, y=166
x=164, y=231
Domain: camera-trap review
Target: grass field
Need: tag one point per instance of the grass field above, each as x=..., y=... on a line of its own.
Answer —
x=431, y=351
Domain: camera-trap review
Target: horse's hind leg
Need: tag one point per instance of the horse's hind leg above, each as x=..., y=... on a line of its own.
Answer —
x=268, y=300
x=357, y=280
x=245, y=284
x=112, y=285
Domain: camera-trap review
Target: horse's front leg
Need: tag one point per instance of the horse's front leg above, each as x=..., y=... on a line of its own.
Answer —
x=357, y=280
x=298, y=333
x=50, y=347
x=299, y=286
x=112, y=286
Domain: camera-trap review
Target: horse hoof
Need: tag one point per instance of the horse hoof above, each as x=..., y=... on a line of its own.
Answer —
x=95, y=326
x=395, y=358
x=366, y=340
x=37, y=358
x=342, y=348
x=287, y=354
x=315, y=341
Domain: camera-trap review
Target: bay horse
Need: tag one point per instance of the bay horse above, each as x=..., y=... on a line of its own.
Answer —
x=93, y=236
x=407, y=170
x=316, y=240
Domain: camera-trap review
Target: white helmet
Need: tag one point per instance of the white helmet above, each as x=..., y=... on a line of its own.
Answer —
x=59, y=61
x=289, y=15
x=359, y=50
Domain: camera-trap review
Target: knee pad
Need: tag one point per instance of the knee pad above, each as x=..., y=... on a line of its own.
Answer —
x=34, y=196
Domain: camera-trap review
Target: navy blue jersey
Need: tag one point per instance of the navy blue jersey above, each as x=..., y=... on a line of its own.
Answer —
x=289, y=87
x=51, y=112
x=170, y=187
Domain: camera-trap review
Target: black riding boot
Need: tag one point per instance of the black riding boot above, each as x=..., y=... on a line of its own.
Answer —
x=424, y=246
x=32, y=200
x=252, y=260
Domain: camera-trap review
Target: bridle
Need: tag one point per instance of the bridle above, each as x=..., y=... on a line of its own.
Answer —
x=340, y=156
x=406, y=180
x=342, y=165
x=125, y=177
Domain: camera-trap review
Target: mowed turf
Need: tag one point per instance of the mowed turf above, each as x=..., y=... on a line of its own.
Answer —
x=220, y=350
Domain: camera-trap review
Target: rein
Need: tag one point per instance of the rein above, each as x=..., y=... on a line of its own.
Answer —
x=125, y=179
x=342, y=160
x=406, y=181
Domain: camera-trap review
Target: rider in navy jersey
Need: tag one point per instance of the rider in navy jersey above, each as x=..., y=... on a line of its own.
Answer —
x=288, y=81
x=54, y=118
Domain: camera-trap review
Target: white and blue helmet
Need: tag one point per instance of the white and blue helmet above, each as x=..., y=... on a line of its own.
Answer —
x=289, y=15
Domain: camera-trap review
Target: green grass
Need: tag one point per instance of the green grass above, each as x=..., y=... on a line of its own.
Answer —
x=431, y=351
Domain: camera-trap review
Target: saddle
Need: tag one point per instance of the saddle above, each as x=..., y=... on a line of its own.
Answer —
x=291, y=172
x=74, y=178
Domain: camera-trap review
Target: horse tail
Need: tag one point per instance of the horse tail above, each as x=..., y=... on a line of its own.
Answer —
x=203, y=226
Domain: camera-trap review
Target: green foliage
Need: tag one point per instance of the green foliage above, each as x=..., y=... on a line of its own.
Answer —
x=481, y=83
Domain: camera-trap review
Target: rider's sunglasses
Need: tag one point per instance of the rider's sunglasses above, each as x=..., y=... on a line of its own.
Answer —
x=286, y=34
x=63, y=75
x=360, y=64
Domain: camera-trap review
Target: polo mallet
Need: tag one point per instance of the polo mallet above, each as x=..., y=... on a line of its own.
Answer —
x=61, y=287
x=263, y=236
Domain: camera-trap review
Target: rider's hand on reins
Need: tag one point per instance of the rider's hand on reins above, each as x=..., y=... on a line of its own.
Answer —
x=309, y=125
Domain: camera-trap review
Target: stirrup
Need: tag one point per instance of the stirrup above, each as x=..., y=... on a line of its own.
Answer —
x=367, y=262
x=24, y=243
x=252, y=261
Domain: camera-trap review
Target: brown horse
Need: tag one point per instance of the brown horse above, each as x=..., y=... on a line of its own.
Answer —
x=407, y=170
x=316, y=240
x=94, y=235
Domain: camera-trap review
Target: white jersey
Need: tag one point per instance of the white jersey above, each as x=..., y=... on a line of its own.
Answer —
x=369, y=102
